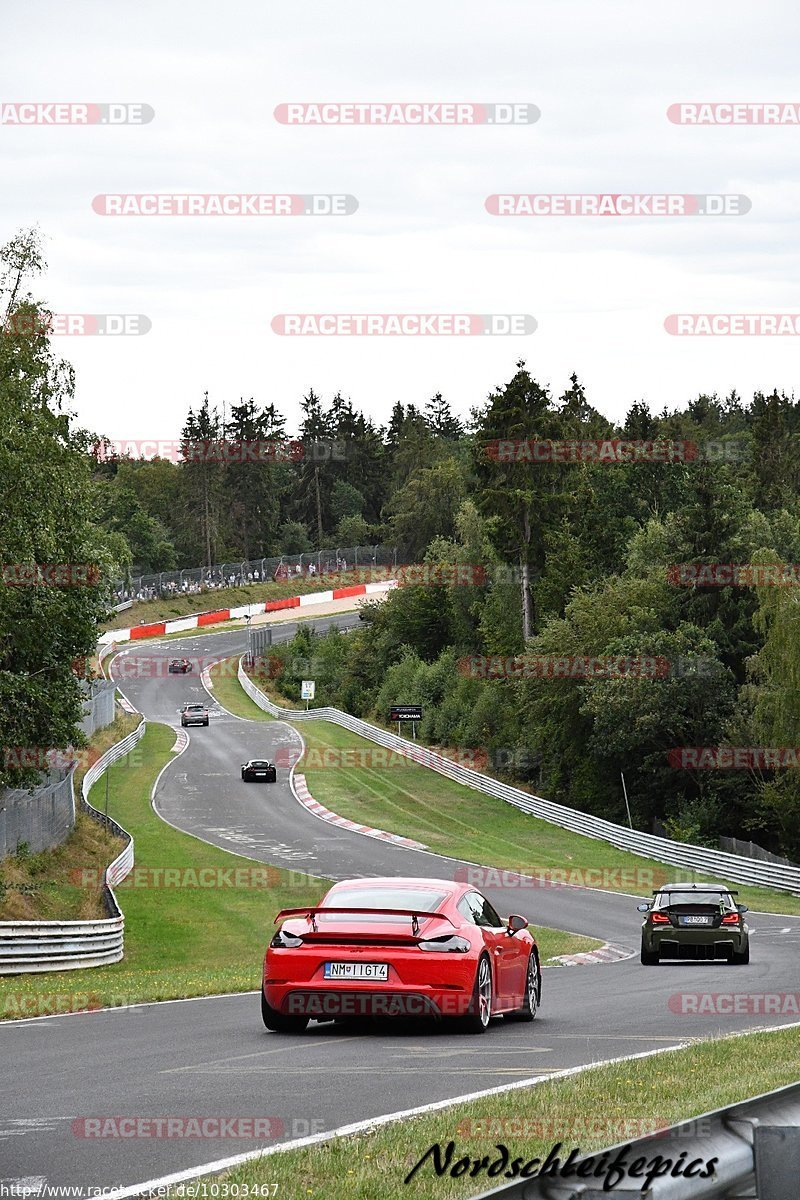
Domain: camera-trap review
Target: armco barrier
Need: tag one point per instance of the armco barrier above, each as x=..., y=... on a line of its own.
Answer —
x=755, y=1145
x=34, y=946
x=711, y=863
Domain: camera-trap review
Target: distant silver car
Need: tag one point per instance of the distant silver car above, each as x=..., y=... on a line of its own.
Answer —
x=194, y=714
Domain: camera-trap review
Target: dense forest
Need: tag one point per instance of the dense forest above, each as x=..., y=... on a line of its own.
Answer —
x=571, y=555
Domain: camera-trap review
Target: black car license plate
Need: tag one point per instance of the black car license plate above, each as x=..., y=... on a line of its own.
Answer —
x=691, y=920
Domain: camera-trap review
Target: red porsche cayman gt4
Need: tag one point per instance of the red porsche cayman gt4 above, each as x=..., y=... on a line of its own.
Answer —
x=400, y=947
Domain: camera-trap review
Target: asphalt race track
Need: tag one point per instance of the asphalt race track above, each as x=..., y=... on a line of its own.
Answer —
x=212, y=1056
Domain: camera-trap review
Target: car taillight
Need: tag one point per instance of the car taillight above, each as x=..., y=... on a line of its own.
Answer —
x=731, y=919
x=285, y=941
x=659, y=919
x=456, y=945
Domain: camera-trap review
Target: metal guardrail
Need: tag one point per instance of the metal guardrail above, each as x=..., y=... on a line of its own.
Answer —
x=731, y=867
x=35, y=946
x=756, y=1145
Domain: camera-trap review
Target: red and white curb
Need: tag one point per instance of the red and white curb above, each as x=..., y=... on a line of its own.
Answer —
x=181, y=741
x=160, y=628
x=603, y=954
x=319, y=810
x=126, y=705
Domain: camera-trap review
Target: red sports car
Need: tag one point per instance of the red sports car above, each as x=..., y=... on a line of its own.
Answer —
x=400, y=947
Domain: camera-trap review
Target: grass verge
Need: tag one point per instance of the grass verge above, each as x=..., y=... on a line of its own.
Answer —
x=600, y=1107
x=345, y=773
x=230, y=694
x=43, y=886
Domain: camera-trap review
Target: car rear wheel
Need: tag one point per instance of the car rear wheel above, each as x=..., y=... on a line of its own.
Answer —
x=480, y=1006
x=530, y=1001
x=741, y=959
x=650, y=958
x=277, y=1021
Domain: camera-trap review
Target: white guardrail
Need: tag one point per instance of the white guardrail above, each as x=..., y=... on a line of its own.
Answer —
x=755, y=1146
x=28, y=946
x=730, y=867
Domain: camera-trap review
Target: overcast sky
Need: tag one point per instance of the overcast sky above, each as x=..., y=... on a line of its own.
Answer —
x=602, y=72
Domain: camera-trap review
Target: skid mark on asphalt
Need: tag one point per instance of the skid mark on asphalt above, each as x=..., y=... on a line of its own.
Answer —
x=238, y=837
x=21, y=1125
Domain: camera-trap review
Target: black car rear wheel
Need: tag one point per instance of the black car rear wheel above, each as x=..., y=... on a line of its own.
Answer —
x=649, y=958
x=741, y=959
x=277, y=1021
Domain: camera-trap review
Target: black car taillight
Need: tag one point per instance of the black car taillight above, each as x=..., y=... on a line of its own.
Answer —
x=659, y=919
x=450, y=942
x=285, y=941
x=730, y=919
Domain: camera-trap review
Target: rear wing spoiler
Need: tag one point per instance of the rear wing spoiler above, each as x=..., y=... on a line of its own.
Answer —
x=730, y=891
x=416, y=914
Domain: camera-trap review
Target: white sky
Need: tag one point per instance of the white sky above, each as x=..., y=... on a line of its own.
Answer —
x=603, y=75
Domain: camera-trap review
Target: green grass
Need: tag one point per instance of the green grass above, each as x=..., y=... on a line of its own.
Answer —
x=416, y=802
x=179, y=940
x=598, y=1108
x=230, y=694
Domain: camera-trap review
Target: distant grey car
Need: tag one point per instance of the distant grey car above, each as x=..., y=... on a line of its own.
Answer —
x=694, y=921
x=194, y=714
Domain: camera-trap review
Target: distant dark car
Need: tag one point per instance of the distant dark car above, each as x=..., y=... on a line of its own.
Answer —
x=259, y=768
x=194, y=714
x=697, y=921
x=179, y=666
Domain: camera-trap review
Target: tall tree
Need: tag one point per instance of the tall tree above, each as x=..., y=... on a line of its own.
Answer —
x=54, y=586
x=520, y=497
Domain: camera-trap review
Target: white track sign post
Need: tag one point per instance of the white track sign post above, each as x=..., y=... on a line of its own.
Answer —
x=307, y=689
